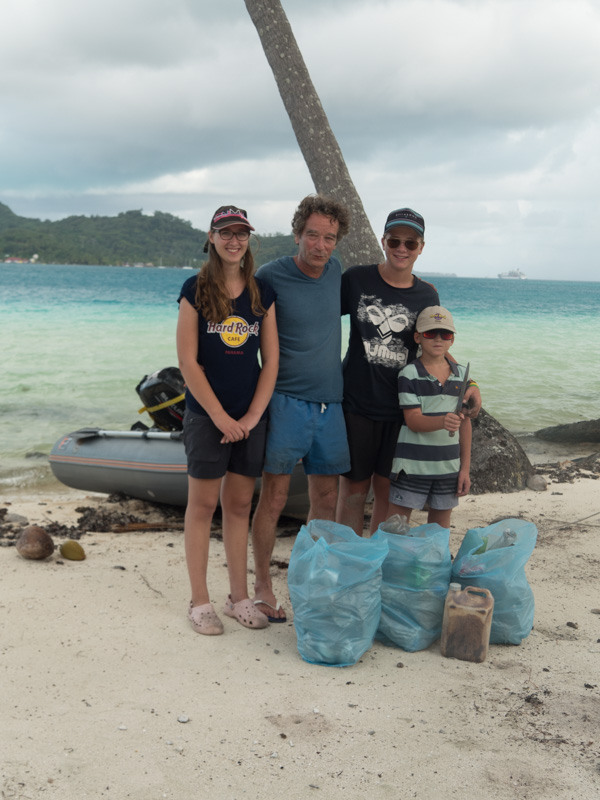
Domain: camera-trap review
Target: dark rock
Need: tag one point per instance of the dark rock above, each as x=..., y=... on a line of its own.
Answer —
x=588, y=431
x=498, y=462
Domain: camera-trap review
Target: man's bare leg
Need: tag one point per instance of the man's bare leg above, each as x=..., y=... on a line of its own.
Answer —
x=351, y=503
x=273, y=496
x=322, y=493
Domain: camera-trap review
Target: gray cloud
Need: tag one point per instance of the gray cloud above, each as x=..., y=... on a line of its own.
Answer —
x=482, y=114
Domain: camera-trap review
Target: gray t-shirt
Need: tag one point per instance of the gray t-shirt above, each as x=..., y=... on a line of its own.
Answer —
x=309, y=326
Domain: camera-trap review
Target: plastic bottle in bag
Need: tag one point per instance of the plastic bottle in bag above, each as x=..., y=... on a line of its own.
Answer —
x=420, y=575
x=395, y=524
x=507, y=539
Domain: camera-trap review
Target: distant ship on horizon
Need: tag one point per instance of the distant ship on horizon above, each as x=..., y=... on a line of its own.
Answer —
x=512, y=275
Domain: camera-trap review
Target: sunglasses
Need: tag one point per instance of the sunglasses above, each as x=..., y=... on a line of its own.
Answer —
x=446, y=335
x=410, y=244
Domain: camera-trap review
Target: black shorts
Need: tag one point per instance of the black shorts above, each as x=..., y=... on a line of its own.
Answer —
x=372, y=445
x=207, y=458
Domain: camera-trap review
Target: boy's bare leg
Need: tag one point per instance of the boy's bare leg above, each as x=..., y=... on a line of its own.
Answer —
x=441, y=516
x=402, y=510
x=273, y=497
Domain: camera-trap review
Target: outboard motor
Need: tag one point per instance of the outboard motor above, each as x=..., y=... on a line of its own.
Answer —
x=163, y=396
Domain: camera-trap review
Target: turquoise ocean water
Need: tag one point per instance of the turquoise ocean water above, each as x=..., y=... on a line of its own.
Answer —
x=77, y=339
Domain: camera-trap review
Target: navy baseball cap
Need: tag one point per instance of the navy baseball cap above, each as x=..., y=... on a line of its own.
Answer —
x=405, y=216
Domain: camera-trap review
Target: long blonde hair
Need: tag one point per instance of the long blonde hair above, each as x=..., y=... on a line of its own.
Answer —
x=211, y=291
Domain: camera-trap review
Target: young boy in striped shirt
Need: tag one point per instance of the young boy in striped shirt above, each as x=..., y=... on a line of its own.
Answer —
x=431, y=464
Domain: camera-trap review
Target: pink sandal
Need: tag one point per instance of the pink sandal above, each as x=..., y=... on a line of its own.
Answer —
x=246, y=613
x=204, y=620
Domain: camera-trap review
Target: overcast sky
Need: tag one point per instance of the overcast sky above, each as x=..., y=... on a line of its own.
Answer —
x=483, y=115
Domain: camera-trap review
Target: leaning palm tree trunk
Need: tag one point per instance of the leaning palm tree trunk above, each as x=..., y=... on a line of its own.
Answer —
x=319, y=146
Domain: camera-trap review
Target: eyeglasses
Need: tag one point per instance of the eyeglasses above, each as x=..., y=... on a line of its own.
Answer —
x=227, y=235
x=446, y=335
x=410, y=244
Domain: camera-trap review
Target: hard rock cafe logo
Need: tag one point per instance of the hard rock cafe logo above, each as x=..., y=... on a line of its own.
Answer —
x=234, y=331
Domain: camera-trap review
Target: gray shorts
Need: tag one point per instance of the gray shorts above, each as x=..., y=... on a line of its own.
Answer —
x=207, y=458
x=414, y=491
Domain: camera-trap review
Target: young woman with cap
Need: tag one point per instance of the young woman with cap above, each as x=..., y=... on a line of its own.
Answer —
x=226, y=316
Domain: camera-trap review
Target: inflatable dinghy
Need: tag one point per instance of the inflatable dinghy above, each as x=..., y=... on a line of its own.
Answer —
x=147, y=464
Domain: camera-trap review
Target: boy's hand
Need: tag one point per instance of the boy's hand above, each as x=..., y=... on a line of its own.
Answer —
x=452, y=421
x=464, y=483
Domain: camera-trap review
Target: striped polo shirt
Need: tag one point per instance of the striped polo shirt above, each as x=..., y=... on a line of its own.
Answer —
x=435, y=454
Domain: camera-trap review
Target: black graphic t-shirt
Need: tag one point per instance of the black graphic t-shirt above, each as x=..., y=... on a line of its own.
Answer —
x=382, y=324
x=228, y=350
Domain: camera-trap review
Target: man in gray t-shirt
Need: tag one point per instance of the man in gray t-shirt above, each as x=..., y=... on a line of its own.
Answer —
x=305, y=414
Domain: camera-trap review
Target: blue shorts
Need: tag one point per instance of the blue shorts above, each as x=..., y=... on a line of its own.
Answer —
x=413, y=491
x=314, y=432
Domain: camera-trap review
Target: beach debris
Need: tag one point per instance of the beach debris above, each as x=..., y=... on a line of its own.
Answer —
x=115, y=514
x=15, y=519
x=183, y=718
x=566, y=471
x=72, y=550
x=534, y=699
x=34, y=543
x=537, y=483
x=147, y=526
x=572, y=625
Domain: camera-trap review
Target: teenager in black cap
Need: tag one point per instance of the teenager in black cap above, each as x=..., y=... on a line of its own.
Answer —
x=226, y=316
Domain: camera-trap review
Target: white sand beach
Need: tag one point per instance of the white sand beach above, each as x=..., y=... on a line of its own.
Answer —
x=108, y=693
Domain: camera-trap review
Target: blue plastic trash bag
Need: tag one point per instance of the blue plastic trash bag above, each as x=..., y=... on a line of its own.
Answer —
x=334, y=579
x=416, y=574
x=494, y=558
